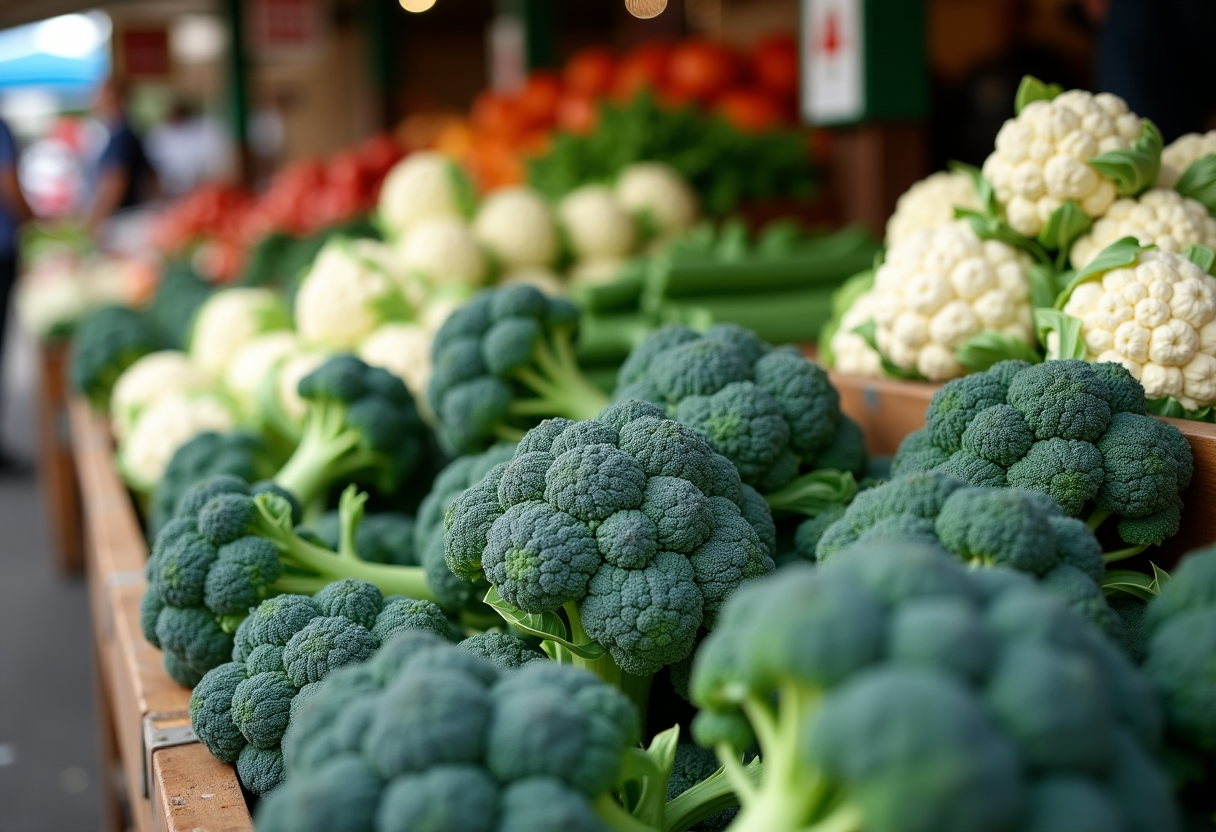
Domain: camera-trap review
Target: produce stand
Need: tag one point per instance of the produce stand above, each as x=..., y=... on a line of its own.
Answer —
x=169, y=781
x=56, y=471
x=889, y=410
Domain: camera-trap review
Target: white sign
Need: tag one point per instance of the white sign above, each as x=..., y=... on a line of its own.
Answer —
x=833, y=61
x=508, y=43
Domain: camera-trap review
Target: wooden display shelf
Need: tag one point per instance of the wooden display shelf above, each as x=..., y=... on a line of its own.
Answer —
x=56, y=471
x=889, y=410
x=170, y=781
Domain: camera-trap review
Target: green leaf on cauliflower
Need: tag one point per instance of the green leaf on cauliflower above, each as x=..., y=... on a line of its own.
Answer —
x=1171, y=408
x=1072, y=345
x=1066, y=224
x=1123, y=252
x=982, y=350
x=1201, y=256
x=1198, y=182
x=1133, y=169
x=1032, y=89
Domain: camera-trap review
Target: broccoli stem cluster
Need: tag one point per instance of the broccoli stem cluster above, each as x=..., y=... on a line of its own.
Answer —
x=559, y=386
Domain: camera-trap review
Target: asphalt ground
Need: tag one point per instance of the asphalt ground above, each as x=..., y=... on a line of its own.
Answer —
x=49, y=758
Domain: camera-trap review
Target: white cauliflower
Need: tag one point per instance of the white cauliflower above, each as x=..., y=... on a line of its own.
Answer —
x=231, y=318
x=1158, y=217
x=596, y=226
x=164, y=426
x=442, y=250
x=939, y=288
x=1042, y=156
x=405, y=351
x=1181, y=154
x=930, y=203
x=50, y=304
x=346, y=294
x=252, y=363
x=543, y=279
x=423, y=184
x=1158, y=319
x=656, y=194
x=516, y=226
x=278, y=403
x=852, y=354
x=157, y=374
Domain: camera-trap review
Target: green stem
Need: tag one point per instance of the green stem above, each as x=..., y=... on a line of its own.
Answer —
x=710, y=796
x=1123, y=554
x=637, y=688
x=557, y=378
x=614, y=817
x=507, y=433
x=1097, y=518
x=845, y=819
x=315, y=463
x=350, y=515
x=813, y=493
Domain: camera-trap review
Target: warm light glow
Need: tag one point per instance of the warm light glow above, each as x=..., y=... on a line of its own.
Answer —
x=197, y=39
x=417, y=5
x=645, y=9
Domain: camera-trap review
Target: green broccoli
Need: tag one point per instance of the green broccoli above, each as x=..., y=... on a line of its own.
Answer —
x=898, y=690
x=384, y=537
x=629, y=524
x=1013, y=527
x=286, y=643
x=240, y=454
x=1074, y=431
x=771, y=412
x=692, y=765
x=179, y=295
x=501, y=363
x=436, y=738
x=502, y=649
x=105, y=343
x=230, y=547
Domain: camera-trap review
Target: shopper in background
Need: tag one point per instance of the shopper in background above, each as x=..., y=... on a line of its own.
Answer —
x=125, y=178
x=187, y=149
x=13, y=211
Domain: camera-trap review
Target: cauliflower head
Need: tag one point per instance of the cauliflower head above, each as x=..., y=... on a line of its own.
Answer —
x=164, y=426
x=930, y=204
x=424, y=184
x=547, y=281
x=1181, y=154
x=346, y=294
x=1159, y=217
x=231, y=318
x=851, y=353
x=1042, y=157
x=404, y=349
x=516, y=226
x=943, y=286
x=658, y=197
x=442, y=250
x=1156, y=318
x=252, y=363
x=596, y=226
x=157, y=374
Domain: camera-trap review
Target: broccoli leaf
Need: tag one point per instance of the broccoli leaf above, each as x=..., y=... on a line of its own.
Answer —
x=982, y=350
x=1072, y=345
x=1138, y=584
x=1199, y=182
x=1032, y=89
x=1122, y=252
x=546, y=625
x=1133, y=169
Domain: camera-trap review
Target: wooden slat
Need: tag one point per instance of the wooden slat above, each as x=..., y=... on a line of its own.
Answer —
x=196, y=792
x=56, y=470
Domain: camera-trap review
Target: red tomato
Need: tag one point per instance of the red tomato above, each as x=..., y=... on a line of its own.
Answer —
x=774, y=65
x=749, y=110
x=537, y=102
x=590, y=71
x=643, y=68
x=380, y=153
x=577, y=113
x=700, y=69
x=496, y=115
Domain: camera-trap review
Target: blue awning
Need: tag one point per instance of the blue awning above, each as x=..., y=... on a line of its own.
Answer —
x=39, y=69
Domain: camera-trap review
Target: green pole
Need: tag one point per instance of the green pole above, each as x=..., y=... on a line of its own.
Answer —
x=379, y=27
x=238, y=86
x=537, y=17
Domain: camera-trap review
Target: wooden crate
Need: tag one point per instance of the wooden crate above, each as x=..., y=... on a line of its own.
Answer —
x=56, y=470
x=170, y=781
x=889, y=410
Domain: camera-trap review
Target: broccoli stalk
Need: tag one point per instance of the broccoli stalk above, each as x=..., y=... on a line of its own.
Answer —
x=328, y=451
x=561, y=388
x=813, y=493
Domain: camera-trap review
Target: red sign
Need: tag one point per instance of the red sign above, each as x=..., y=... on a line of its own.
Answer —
x=144, y=53
x=284, y=25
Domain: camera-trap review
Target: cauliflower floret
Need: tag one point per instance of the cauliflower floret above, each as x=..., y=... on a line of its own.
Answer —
x=516, y=226
x=1181, y=154
x=1158, y=217
x=443, y=250
x=157, y=374
x=284, y=395
x=231, y=318
x=346, y=294
x=252, y=363
x=405, y=351
x=657, y=196
x=939, y=288
x=1156, y=318
x=929, y=204
x=1042, y=156
x=596, y=272
x=50, y=303
x=852, y=354
x=596, y=226
x=164, y=426
x=543, y=279
x=424, y=184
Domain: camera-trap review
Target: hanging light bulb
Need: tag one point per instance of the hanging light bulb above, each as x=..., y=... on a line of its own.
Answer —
x=645, y=9
x=417, y=5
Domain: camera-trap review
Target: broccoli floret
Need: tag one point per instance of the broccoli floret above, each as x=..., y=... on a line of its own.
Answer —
x=502, y=362
x=897, y=689
x=104, y=344
x=619, y=528
x=502, y=649
x=1074, y=431
x=451, y=741
x=384, y=537
x=241, y=710
x=179, y=295
x=847, y=451
x=692, y=765
x=1133, y=615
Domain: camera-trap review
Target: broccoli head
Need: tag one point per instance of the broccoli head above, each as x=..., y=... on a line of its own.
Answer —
x=899, y=690
x=771, y=412
x=434, y=737
x=501, y=363
x=1074, y=431
x=285, y=644
x=630, y=524
x=105, y=343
